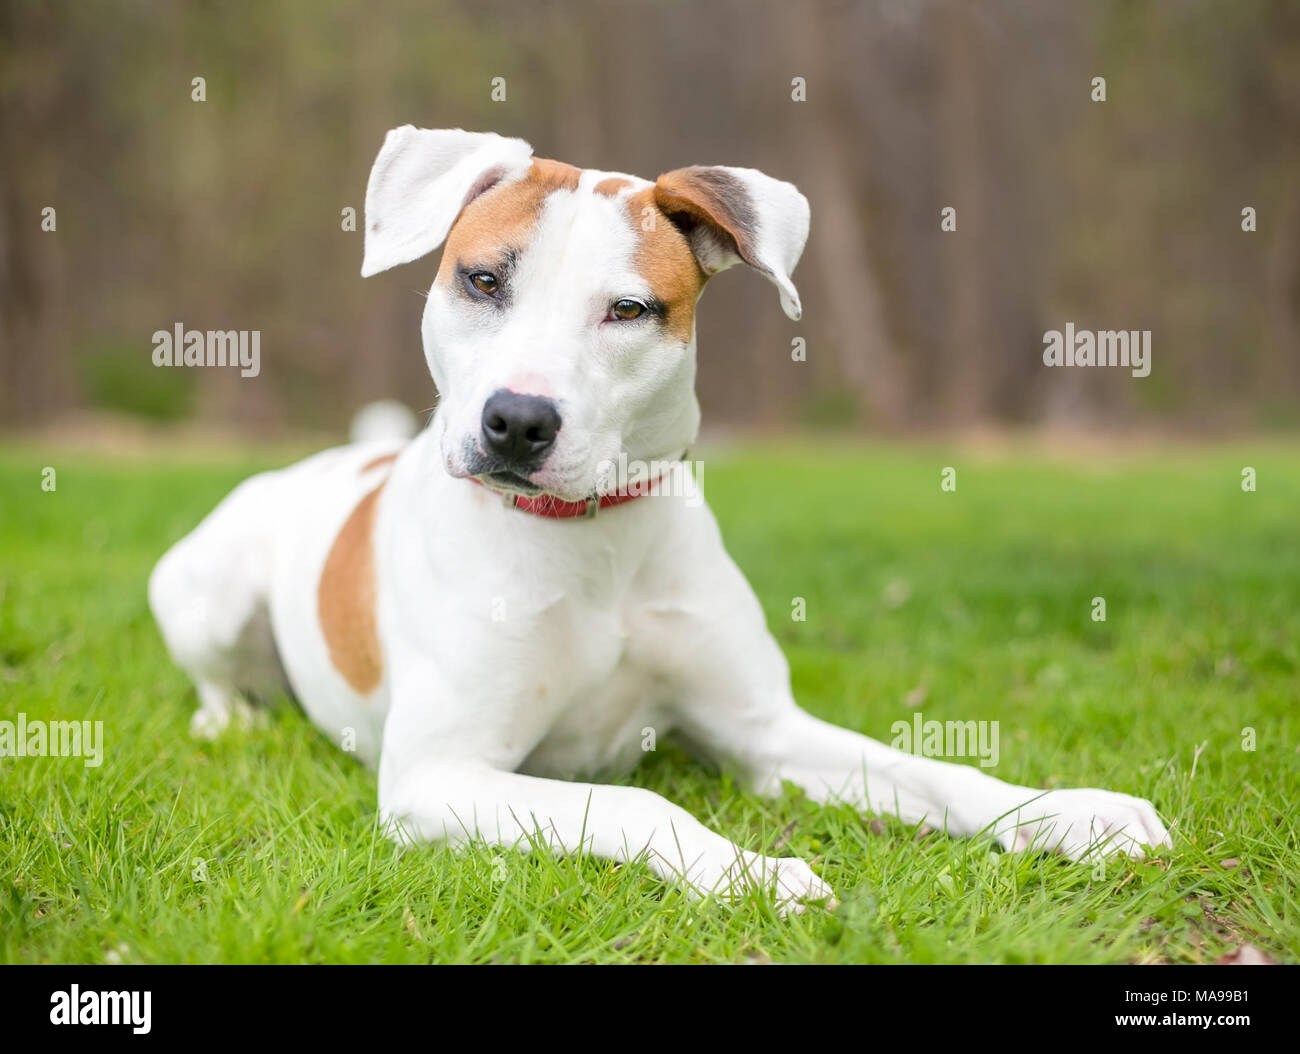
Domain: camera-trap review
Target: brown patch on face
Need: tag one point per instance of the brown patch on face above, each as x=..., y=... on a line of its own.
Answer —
x=504, y=215
x=611, y=187
x=383, y=459
x=345, y=599
x=554, y=174
x=665, y=260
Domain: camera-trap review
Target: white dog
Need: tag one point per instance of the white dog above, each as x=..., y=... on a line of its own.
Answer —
x=485, y=613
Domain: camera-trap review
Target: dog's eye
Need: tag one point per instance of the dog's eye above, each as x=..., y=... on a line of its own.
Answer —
x=485, y=282
x=627, y=309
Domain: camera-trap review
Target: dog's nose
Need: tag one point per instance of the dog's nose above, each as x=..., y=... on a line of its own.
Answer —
x=519, y=428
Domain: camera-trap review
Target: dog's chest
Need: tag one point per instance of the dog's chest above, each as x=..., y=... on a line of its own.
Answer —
x=610, y=723
x=547, y=650
x=606, y=735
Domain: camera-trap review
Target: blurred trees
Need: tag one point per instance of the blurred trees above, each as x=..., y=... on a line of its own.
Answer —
x=226, y=214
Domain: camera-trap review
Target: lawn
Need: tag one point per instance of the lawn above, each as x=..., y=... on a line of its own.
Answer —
x=975, y=604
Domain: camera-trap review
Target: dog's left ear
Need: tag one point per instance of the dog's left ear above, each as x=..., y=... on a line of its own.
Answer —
x=739, y=215
x=421, y=181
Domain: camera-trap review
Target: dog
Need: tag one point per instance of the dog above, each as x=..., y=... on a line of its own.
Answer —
x=487, y=613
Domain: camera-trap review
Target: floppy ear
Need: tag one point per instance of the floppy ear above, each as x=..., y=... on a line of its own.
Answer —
x=420, y=182
x=735, y=215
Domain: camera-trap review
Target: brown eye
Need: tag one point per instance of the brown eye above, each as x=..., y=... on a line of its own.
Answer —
x=484, y=282
x=627, y=310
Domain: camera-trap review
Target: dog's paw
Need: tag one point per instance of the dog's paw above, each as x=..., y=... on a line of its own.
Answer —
x=1084, y=824
x=795, y=886
x=790, y=882
x=209, y=722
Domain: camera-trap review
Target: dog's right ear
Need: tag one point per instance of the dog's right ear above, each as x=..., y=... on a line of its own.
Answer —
x=421, y=181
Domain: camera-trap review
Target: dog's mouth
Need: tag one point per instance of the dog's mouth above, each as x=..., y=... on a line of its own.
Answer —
x=511, y=481
x=494, y=472
x=500, y=474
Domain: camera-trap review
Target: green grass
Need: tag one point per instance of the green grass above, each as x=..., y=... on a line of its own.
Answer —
x=262, y=847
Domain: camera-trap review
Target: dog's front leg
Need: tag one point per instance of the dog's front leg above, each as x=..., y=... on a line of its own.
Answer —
x=428, y=792
x=738, y=707
x=829, y=762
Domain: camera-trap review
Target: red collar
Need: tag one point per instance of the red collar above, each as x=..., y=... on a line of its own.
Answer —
x=552, y=508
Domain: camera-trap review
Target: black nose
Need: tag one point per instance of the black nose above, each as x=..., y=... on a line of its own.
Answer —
x=520, y=428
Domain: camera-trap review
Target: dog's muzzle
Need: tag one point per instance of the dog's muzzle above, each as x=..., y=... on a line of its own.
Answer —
x=516, y=435
x=519, y=429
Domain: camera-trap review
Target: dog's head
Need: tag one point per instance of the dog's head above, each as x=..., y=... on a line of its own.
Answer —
x=560, y=328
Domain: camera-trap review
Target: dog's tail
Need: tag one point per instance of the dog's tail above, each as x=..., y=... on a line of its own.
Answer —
x=386, y=419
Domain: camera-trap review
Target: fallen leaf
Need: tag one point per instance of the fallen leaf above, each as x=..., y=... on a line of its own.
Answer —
x=408, y=921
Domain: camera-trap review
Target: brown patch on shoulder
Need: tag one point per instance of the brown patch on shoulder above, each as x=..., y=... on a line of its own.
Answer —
x=611, y=187
x=345, y=599
x=503, y=216
x=383, y=459
x=665, y=259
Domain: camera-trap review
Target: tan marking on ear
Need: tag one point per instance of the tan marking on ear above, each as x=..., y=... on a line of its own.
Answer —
x=383, y=459
x=665, y=260
x=345, y=599
x=715, y=198
x=504, y=215
x=610, y=187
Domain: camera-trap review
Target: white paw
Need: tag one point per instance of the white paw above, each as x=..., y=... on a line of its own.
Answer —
x=1084, y=824
x=790, y=882
x=795, y=886
x=209, y=722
